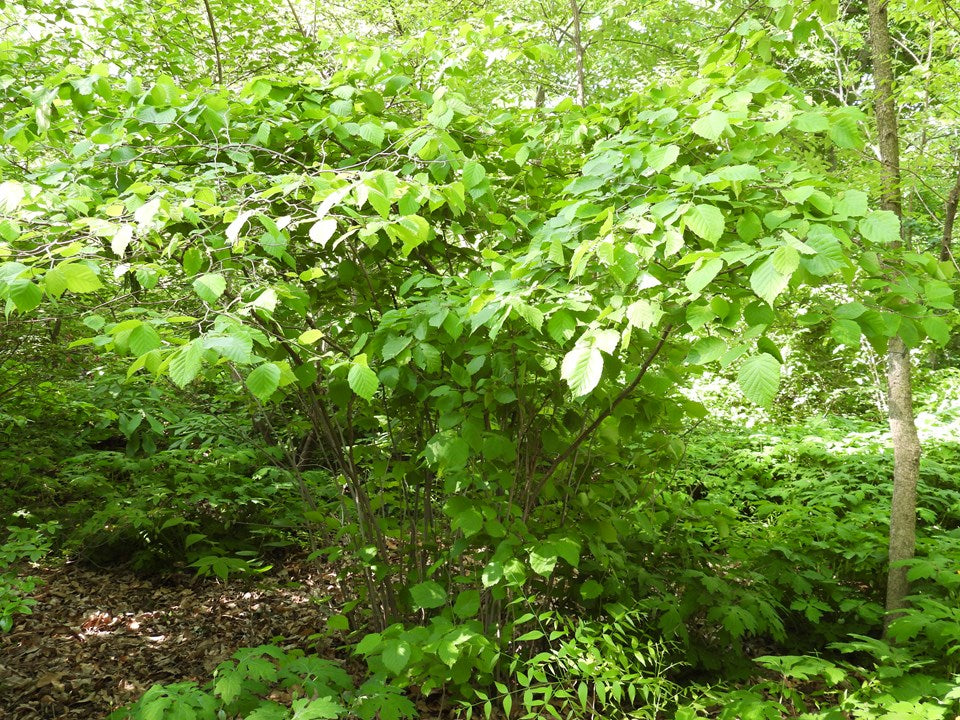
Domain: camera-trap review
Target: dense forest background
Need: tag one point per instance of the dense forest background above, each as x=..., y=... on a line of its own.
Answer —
x=571, y=359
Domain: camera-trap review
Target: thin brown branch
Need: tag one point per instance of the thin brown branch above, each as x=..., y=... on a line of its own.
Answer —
x=216, y=41
x=603, y=415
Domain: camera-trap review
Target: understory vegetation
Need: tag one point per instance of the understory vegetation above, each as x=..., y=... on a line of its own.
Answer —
x=738, y=580
x=572, y=338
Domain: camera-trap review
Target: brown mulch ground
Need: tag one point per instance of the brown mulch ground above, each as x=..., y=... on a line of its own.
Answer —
x=97, y=639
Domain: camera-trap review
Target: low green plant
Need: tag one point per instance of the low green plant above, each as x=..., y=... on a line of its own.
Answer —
x=251, y=684
x=23, y=545
x=890, y=683
x=610, y=666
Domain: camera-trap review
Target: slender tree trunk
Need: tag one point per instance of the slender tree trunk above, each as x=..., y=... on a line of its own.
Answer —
x=579, y=50
x=949, y=216
x=216, y=40
x=903, y=430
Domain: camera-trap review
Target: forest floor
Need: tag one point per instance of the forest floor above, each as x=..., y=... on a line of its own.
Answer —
x=97, y=639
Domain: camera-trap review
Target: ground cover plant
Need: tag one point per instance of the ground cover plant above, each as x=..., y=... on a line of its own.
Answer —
x=586, y=350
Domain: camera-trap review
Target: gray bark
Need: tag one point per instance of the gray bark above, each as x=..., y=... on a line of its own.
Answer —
x=903, y=430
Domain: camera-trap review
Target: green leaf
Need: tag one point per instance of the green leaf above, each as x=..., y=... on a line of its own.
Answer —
x=192, y=261
x=711, y=125
x=938, y=294
x=590, y=590
x=209, y=287
x=749, y=227
x=309, y=337
x=758, y=313
x=531, y=314
x=492, y=573
x=440, y=114
x=881, y=227
x=394, y=345
x=338, y=623
x=852, y=203
x=369, y=644
x=543, y=559
x=829, y=257
x=785, y=260
x=427, y=357
x=228, y=686
x=324, y=708
x=428, y=595
x=9, y=230
x=769, y=347
x=323, y=230
x=846, y=332
x=568, y=549
x=798, y=195
x=159, y=117
x=582, y=368
x=696, y=280
x=362, y=380
x=937, y=329
x=75, y=277
x=396, y=655
x=185, y=363
x=738, y=173
x=411, y=230
x=473, y=174
x=811, y=122
x=447, y=451
x=766, y=282
x=644, y=314
x=706, y=221
x=561, y=326
x=660, y=158
x=372, y=133
x=264, y=380
x=274, y=243
x=26, y=295
x=850, y=310
x=469, y=520
x=844, y=131
x=94, y=322
x=143, y=339
x=467, y=604
x=585, y=184
x=706, y=350
x=759, y=378
x=236, y=348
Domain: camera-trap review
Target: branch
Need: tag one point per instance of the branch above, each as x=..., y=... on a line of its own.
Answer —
x=296, y=19
x=592, y=427
x=216, y=41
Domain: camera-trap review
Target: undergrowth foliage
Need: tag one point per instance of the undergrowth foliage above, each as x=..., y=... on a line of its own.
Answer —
x=22, y=545
x=460, y=348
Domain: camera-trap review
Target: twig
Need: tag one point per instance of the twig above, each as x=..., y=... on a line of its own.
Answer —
x=216, y=41
x=591, y=428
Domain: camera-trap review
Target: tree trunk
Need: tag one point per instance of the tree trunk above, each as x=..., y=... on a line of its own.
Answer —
x=903, y=430
x=950, y=215
x=578, y=48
